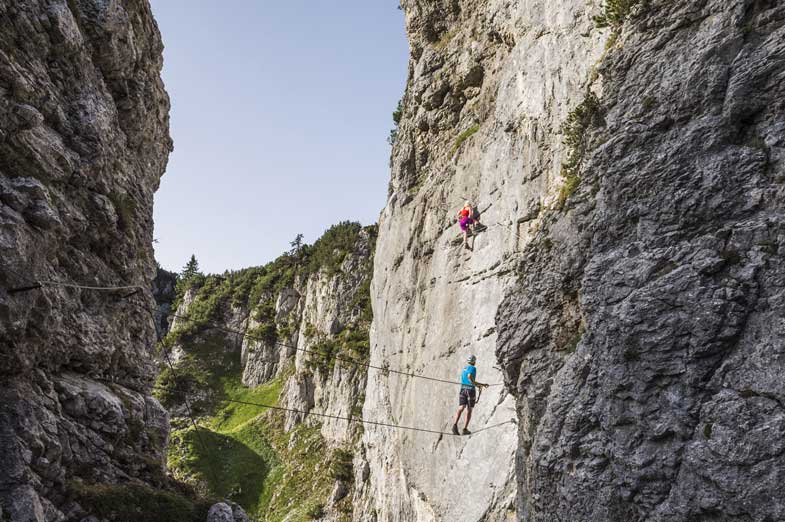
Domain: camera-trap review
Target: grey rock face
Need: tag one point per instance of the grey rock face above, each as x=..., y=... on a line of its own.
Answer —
x=226, y=512
x=328, y=307
x=262, y=361
x=220, y=512
x=490, y=84
x=83, y=143
x=644, y=340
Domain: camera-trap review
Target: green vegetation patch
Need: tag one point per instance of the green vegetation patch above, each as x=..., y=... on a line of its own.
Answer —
x=303, y=480
x=465, y=135
x=615, y=12
x=137, y=503
x=125, y=207
x=227, y=466
x=575, y=128
x=571, y=183
x=329, y=251
x=342, y=467
x=397, y=115
x=445, y=39
x=267, y=329
x=240, y=450
x=352, y=343
x=257, y=288
x=201, y=374
x=230, y=456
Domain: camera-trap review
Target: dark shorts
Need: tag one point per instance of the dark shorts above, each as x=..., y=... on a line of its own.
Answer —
x=465, y=222
x=467, y=397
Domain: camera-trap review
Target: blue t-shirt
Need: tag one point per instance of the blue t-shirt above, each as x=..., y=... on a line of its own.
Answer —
x=469, y=370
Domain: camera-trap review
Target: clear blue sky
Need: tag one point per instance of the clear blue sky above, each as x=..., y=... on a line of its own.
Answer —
x=280, y=114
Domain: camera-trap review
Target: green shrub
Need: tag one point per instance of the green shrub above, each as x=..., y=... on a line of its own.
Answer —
x=356, y=341
x=352, y=343
x=341, y=467
x=329, y=251
x=361, y=300
x=578, y=122
x=315, y=511
x=571, y=183
x=615, y=12
x=267, y=330
x=323, y=355
x=187, y=379
x=648, y=103
x=396, y=116
x=398, y=113
x=465, y=135
x=125, y=207
x=310, y=331
x=284, y=331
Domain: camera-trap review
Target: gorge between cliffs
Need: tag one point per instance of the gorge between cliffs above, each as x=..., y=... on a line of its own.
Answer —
x=624, y=300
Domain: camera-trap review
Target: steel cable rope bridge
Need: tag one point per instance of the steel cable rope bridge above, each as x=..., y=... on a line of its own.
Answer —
x=39, y=284
x=330, y=416
x=350, y=360
x=210, y=325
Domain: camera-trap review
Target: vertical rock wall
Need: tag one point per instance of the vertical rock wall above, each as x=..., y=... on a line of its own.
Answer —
x=644, y=341
x=490, y=84
x=83, y=142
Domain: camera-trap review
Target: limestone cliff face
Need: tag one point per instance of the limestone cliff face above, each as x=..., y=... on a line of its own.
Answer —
x=489, y=86
x=644, y=341
x=83, y=142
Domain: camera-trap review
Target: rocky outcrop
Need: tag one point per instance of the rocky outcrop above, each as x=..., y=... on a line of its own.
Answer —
x=227, y=512
x=644, y=339
x=83, y=143
x=333, y=306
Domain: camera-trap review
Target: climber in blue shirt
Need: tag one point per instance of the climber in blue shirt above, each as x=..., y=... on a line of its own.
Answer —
x=468, y=395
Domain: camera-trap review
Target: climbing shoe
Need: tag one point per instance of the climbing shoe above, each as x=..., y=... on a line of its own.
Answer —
x=455, y=429
x=466, y=432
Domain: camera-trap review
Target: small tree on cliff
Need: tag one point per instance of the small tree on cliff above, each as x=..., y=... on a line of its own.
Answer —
x=396, y=115
x=190, y=276
x=297, y=246
x=190, y=269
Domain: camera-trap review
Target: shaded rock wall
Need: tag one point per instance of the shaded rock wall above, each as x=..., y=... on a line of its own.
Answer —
x=644, y=340
x=83, y=142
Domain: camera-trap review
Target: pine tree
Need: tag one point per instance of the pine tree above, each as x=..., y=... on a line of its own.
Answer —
x=191, y=269
x=297, y=245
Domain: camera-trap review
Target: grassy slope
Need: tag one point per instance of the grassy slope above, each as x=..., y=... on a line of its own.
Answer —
x=251, y=460
x=237, y=458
